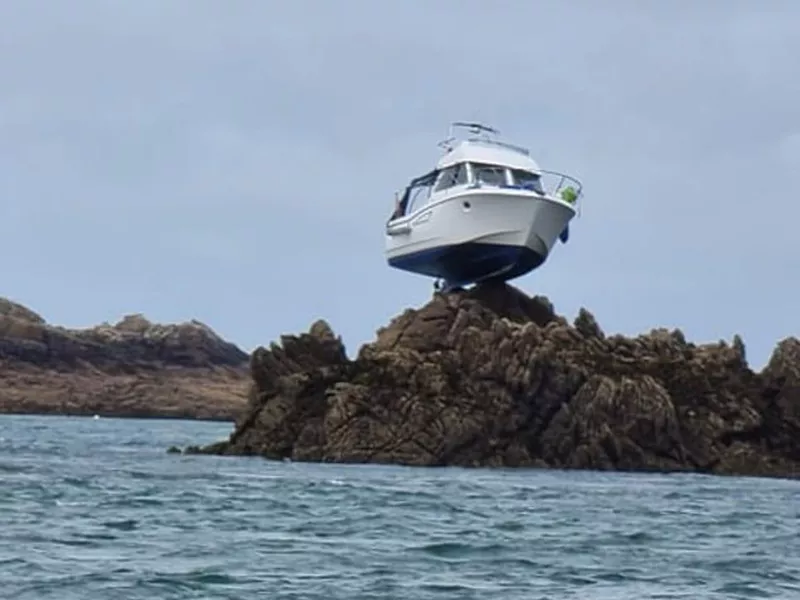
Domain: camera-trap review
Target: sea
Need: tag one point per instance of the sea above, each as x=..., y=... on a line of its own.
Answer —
x=95, y=509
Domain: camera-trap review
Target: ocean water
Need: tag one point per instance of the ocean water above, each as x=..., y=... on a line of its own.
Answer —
x=96, y=509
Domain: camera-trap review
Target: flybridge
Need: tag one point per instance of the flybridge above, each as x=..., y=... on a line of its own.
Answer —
x=483, y=135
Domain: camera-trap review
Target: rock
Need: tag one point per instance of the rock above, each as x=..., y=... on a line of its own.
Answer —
x=19, y=312
x=134, y=324
x=134, y=369
x=587, y=325
x=491, y=377
x=781, y=402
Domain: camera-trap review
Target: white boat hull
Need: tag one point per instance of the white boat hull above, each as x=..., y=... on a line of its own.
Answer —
x=475, y=234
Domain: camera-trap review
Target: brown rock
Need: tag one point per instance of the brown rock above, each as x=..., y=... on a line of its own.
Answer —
x=491, y=377
x=132, y=369
x=19, y=312
x=780, y=404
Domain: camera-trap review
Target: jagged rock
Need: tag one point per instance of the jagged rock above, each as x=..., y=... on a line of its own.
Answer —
x=491, y=377
x=134, y=368
x=781, y=403
x=587, y=325
x=136, y=323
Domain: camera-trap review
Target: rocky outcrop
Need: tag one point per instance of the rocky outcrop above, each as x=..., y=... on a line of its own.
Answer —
x=132, y=369
x=491, y=377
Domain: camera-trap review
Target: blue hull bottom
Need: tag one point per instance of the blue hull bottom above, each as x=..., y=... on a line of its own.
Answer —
x=468, y=263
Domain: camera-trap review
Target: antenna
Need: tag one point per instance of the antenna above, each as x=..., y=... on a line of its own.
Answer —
x=476, y=128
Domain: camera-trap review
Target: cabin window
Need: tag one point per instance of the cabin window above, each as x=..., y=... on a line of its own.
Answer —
x=489, y=174
x=452, y=176
x=527, y=180
x=419, y=192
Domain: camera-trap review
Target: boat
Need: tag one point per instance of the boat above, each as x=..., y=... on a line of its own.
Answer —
x=486, y=212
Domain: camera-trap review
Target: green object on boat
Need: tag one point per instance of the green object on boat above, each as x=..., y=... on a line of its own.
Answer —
x=568, y=194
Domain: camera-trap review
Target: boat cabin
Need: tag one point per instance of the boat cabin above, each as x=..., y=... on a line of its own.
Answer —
x=476, y=163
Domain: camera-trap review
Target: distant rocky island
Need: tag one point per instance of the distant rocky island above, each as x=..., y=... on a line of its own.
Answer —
x=493, y=377
x=134, y=368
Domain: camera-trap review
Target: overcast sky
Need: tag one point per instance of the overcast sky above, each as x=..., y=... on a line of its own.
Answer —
x=235, y=161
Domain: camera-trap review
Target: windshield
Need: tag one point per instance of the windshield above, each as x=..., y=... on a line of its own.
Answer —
x=416, y=195
x=527, y=180
x=489, y=174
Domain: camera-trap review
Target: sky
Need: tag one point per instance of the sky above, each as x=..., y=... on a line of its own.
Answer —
x=235, y=161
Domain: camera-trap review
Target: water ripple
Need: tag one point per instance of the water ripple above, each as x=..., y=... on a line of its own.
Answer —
x=95, y=509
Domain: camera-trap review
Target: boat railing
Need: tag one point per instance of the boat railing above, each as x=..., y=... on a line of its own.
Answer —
x=479, y=131
x=562, y=186
x=474, y=128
